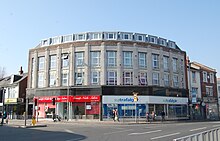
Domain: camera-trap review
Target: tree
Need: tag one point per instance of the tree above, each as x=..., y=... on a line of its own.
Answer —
x=2, y=72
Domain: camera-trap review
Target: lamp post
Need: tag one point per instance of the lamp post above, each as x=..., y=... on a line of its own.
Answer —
x=190, y=94
x=3, y=104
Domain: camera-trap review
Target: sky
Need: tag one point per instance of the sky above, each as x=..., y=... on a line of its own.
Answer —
x=193, y=24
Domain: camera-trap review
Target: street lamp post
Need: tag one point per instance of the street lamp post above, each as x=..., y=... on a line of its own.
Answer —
x=190, y=94
x=3, y=104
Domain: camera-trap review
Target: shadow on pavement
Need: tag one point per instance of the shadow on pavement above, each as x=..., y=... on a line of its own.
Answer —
x=8, y=133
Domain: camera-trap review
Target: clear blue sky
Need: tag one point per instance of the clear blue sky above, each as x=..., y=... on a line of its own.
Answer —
x=193, y=24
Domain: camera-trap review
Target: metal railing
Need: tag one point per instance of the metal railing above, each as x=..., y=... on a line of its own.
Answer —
x=209, y=135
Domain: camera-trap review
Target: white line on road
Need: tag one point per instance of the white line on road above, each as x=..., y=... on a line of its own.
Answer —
x=197, y=129
x=69, y=131
x=117, y=132
x=76, y=139
x=165, y=136
x=144, y=132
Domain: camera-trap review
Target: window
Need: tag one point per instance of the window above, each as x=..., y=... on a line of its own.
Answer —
x=79, y=58
x=40, y=83
x=112, y=78
x=142, y=78
x=95, y=36
x=166, y=80
x=182, y=66
x=41, y=63
x=11, y=93
x=175, y=81
x=209, y=91
x=52, y=79
x=45, y=42
x=80, y=37
x=204, y=76
x=79, y=78
x=55, y=40
x=211, y=78
x=65, y=60
x=64, y=77
x=95, y=77
x=152, y=40
x=155, y=61
x=67, y=38
x=155, y=80
x=111, y=55
x=126, y=36
x=111, y=36
x=142, y=60
x=127, y=58
x=53, y=61
x=127, y=78
x=95, y=58
x=174, y=64
x=193, y=76
x=166, y=63
x=140, y=38
x=194, y=93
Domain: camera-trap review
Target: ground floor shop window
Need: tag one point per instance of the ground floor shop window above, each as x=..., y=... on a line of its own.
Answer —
x=175, y=111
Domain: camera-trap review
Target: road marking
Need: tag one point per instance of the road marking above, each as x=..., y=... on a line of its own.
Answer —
x=215, y=125
x=165, y=136
x=144, y=132
x=197, y=129
x=69, y=131
x=109, y=133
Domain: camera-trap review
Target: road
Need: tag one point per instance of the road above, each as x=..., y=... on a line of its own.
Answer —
x=105, y=132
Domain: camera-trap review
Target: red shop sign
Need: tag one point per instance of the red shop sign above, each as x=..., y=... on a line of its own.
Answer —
x=48, y=99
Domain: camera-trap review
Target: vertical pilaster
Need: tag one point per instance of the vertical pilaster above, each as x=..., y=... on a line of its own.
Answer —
x=46, y=71
x=119, y=64
x=87, y=64
x=58, y=66
x=103, y=64
x=71, y=64
x=149, y=65
x=135, y=64
x=35, y=69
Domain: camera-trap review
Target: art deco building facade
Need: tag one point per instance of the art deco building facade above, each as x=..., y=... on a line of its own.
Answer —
x=89, y=74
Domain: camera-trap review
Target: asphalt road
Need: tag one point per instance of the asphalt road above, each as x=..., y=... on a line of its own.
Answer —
x=105, y=132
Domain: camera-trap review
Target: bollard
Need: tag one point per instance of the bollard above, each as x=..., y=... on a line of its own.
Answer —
x=33, y=121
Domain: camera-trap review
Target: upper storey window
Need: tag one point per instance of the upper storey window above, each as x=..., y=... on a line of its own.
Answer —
x=55, y=40
x=126, y=36
x=53, y=61
x=68, y=38
x=41, y=63
x=152, y=39
x=80, y=37
x=162, y=42
x=127, y=58
x=110, y=36
x=142, y=59
x=79, y=58
x=65, y=60
x=204, y=76
x=166, y=63
x=175, y=64
x=211, y=77
x=111, y=55
x=95, y=58
x=95, y=36
x=155, y=61
x=45, y=42
x=171, y=44
x=140, y=38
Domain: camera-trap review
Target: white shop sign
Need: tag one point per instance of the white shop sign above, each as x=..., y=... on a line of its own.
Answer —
x=144, y=100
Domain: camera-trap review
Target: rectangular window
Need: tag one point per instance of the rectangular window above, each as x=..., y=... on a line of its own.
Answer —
x=41, y=63
x=95, y=78
x=142, y=59
x=193, y=76
x=55, y=40
x=111, y=36
x=95, y=36
x=211, y=78
x=65, y=60
x=127, y=78
x=155, y=61
x=175, y=81
x=166, y=63
x=127, y=36
x=111, y=55
x=142, y=78
x=166, y=80
x=112, y=78
x=64, y=77
x=80, y=37
x=152, y=40
x=140, y=38
x=127, y=58
x=204, y=76
x=52, y=79
x=174, y=64
x=79, y=58
x=40, y=83
x=53, y=61
x=68, y=38
x=155, y=80
x=209, y=91
x=95, y=58
x=79, y=78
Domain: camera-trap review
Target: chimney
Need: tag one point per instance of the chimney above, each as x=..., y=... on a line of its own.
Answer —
x=21, y=71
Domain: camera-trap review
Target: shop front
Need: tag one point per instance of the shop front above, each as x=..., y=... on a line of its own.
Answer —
x=78, y=106
x=174, y=107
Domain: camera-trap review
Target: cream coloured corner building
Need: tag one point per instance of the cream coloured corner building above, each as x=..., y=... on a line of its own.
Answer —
x=90, y=74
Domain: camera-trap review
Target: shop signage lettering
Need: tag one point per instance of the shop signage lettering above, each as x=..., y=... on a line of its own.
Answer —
x=170, y=100
x=124, y=100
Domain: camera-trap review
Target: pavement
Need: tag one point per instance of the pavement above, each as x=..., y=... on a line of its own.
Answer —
x=45, y=122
